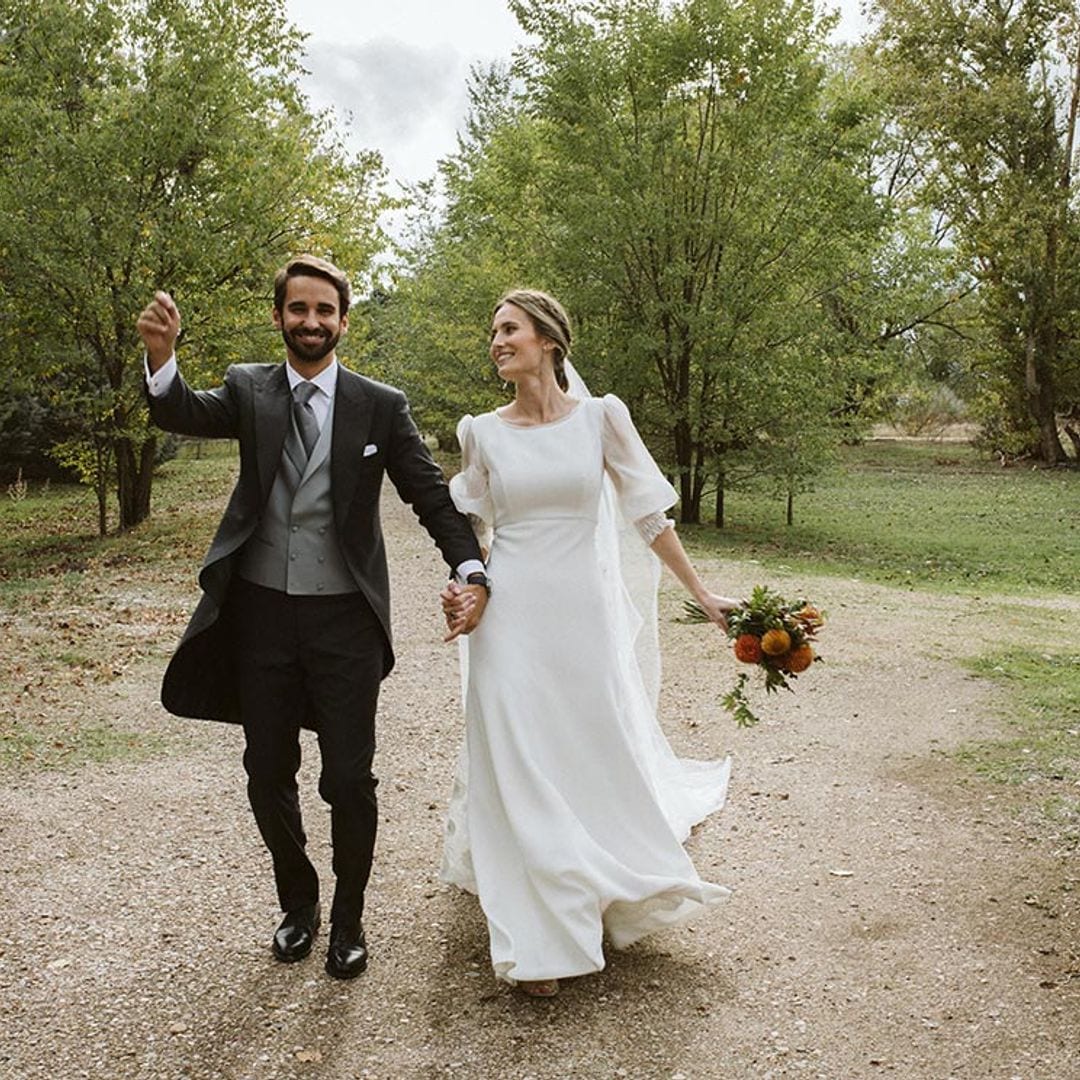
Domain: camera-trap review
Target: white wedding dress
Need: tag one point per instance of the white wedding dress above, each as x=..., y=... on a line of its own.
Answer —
x=569, y=809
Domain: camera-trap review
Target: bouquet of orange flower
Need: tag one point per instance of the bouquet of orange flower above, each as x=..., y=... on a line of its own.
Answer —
x=773, y=633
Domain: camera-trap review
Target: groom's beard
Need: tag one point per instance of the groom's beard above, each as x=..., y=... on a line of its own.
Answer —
x=312, y=350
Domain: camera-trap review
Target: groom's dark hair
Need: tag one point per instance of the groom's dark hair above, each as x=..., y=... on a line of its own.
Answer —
x=312, y=266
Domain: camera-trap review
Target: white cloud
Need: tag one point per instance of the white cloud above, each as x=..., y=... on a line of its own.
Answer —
x=473, y=27
x=395, y=71
x=404, y=100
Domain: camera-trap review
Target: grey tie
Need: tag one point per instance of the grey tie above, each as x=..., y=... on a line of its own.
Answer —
x=305, y=415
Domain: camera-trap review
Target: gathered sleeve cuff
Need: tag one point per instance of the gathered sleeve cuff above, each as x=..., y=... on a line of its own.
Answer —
x=469, y=488
x=652, y=525
x=639, y=485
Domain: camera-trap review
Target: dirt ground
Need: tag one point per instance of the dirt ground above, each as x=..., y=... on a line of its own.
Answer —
x=892, y=913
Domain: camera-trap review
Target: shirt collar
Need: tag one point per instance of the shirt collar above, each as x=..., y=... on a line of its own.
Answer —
x=326, y=380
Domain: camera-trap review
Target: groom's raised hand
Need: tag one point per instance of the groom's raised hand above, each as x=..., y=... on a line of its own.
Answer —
x=463, y=606
x=159, y=327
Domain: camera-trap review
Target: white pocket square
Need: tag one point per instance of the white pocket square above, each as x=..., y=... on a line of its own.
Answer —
x=370, y=449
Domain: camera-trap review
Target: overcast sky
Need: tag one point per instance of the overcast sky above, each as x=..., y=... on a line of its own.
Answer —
x=395, y=70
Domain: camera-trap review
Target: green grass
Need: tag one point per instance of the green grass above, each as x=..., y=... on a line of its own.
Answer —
x=921, y=515
x=1043, y=700
x=53, y=533
x=52, y=563
x=26, y=748
x=911, y=514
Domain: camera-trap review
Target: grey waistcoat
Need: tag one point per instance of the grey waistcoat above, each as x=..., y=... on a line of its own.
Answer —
x=295, y=548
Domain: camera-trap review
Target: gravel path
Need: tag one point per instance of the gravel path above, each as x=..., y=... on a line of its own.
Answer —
x=892, y=914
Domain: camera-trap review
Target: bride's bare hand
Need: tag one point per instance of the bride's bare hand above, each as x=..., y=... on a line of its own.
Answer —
x=718, y=607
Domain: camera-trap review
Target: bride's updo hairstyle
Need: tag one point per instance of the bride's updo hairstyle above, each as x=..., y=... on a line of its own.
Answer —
x=549, y=320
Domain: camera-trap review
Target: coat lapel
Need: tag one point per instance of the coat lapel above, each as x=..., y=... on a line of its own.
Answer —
x=353, y=409
x=273, y=414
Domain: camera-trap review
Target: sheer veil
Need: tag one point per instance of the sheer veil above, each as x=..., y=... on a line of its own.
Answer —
x=687, y=790
x=631, y=573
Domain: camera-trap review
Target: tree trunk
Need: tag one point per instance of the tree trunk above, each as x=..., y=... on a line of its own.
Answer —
x=102, y=493
x=790, y=508
x=689, y=500
x=698, y=489
x=1039, y=386
x=1041, y=353
x=134, y=476
x=719, y=519
x=101, y=484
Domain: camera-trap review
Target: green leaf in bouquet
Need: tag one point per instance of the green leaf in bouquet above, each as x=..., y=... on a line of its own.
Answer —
x=693, y=612
x=737, y=704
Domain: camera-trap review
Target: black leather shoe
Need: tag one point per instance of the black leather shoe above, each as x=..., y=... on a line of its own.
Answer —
x=347, y=955
x=293, y=938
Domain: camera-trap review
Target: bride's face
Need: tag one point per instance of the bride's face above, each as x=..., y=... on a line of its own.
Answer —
x=517, y=350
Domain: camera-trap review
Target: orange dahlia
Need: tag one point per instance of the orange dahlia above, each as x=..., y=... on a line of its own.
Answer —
x=748, y=648
x=799, y=659
x=775, y=642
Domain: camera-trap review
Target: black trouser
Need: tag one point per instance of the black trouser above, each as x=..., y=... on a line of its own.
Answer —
x=318, y=661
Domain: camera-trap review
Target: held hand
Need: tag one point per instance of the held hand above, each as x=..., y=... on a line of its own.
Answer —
x=159, y=327
x=718, y=607
x=463, y=606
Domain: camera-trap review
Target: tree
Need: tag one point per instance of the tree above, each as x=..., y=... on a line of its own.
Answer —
x=988, y=92
x=476, y=229
x=156, y=144
x=906, y=312
x=684, y=177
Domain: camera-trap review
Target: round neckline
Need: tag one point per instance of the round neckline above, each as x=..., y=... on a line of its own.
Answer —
x=543, y=424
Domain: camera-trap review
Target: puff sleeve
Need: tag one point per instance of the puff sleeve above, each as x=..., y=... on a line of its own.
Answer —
x=642, y=492
x=469, y=488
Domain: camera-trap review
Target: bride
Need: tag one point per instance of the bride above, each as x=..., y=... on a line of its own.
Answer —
x=569, y=808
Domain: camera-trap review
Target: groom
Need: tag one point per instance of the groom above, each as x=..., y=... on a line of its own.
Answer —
x=293, y=628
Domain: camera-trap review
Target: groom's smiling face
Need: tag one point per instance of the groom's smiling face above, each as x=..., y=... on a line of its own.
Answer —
x=311, y=322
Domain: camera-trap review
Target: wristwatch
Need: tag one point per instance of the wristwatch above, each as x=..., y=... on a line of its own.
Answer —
x=478, y=577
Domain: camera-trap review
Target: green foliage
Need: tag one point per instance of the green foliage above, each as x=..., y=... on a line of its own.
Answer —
x=986, y=95
x=737, y=703
x=767, y=610
x=89, y=458
x=690, y=179
x=705, y=199
x=29, y=428
x=156, y=144
x=473, y=235
x=925, y=407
